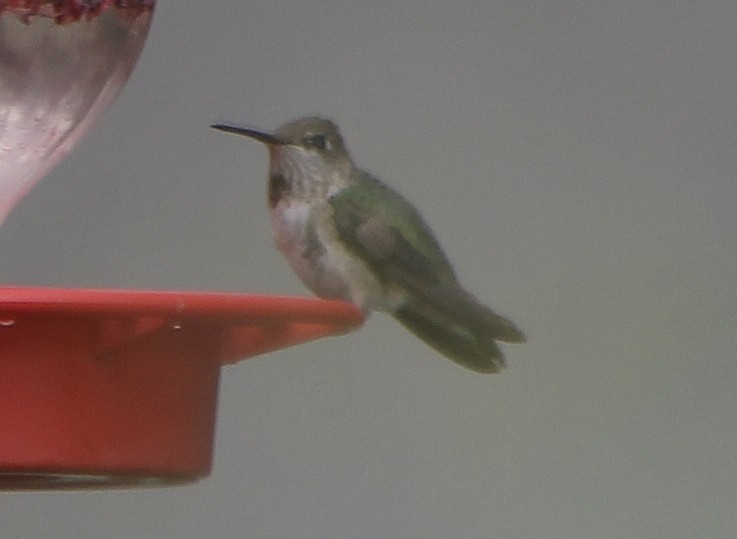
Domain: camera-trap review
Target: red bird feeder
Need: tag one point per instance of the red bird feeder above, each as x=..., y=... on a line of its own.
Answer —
x=113, y=388
x=102, y=388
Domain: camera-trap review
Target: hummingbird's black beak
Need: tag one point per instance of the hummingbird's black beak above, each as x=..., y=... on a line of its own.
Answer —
x=266, y=138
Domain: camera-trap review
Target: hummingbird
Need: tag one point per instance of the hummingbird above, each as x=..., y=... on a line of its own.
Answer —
x=350, y=236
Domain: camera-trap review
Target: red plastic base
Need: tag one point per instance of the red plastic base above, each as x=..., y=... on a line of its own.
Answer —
x=114, y=388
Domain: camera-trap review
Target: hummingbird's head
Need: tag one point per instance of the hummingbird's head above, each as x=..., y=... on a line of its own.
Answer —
x=314, y=135
x=308, y=156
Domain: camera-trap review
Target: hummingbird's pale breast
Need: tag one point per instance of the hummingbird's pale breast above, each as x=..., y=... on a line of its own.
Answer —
x=305, y=233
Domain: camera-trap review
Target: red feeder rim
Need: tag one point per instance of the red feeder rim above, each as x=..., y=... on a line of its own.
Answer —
x=102, y=388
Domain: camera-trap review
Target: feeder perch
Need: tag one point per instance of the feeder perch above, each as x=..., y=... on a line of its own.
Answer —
x=104, y=388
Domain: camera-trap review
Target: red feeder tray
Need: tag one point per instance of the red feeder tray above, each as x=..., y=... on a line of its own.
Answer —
x=102, y=388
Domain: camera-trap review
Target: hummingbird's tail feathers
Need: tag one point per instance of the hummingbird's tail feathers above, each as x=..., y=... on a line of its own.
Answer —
x=454, y=303
x=462, y=306
x=453, y=322
x=467, y=348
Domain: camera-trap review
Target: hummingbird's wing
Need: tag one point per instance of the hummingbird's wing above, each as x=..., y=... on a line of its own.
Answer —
x=386, y=231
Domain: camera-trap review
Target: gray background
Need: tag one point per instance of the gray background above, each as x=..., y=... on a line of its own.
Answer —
x=577, y=160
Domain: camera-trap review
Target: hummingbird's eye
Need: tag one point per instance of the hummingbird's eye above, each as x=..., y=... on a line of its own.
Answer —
x=318, y=141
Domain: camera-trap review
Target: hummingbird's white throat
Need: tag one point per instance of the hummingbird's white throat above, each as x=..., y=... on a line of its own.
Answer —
x=306, y=174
